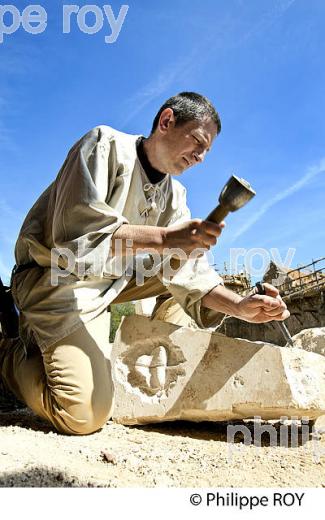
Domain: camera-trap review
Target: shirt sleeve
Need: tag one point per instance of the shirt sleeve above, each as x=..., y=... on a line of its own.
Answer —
x=195, y=278
x=83, y=221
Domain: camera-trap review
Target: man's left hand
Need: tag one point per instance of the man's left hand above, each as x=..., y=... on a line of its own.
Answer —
x=257, y=308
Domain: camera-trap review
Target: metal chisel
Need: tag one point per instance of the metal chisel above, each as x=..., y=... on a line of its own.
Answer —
x=286, y=334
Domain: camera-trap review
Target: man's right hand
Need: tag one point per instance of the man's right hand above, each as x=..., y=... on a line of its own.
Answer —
x=192, y=235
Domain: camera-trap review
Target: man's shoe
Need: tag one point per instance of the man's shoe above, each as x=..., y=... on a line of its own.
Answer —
x=8, y=313
x=8, y=401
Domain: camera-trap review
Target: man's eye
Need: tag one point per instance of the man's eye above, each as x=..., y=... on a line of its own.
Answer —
x=197, y=140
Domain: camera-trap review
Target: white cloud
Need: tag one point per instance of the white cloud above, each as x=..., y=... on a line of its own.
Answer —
x=10, y=222
x=6, y=211
x=5, y=271
x=5, y=132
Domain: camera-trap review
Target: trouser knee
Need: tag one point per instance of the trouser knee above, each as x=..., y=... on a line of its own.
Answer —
x=82, y=420
x=80, y=409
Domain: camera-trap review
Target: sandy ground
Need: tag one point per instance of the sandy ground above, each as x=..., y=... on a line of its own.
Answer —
x=179, y=454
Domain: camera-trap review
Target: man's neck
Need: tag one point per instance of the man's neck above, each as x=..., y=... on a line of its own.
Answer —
x=150, y=149
x=146, y=157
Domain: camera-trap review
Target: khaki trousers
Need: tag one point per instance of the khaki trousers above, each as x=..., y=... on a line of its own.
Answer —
x=71, y=385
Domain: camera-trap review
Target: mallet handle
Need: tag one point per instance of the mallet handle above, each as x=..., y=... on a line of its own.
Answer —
x=218, y=214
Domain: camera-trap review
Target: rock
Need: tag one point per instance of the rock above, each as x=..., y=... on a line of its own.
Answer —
x=108, y=457
x=164, y=372
x=320, y=424
x=312, y=340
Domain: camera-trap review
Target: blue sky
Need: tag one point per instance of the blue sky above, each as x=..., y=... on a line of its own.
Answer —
x=260, y=61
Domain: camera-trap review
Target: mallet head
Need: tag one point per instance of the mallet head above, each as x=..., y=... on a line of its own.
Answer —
x=236, y=193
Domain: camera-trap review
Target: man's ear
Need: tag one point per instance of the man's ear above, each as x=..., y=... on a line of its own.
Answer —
x=166, y=120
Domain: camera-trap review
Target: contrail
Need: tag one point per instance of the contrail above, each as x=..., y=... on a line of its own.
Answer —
x=149, y=93
x=200, y=56
x=166, y=78
x=312, y=172
x=268, y=19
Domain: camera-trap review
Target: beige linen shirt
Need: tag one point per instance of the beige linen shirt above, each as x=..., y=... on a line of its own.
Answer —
x=100, y=186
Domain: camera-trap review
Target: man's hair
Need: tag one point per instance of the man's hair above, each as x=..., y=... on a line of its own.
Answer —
x=189, y=106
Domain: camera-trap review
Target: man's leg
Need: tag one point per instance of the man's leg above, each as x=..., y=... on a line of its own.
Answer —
x=166, y=308
x=70, y=384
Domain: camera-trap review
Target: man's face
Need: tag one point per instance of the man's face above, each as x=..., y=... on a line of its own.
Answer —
x=184, y=145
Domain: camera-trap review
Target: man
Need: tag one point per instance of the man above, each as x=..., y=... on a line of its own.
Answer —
x=115, y=194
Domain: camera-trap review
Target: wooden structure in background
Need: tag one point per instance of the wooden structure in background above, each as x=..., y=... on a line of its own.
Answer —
x=303, y=290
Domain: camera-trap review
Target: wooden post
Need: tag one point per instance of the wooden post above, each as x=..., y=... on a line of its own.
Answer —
x=315, y=272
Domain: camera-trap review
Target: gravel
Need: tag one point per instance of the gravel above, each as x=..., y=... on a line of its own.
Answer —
x=178, y=454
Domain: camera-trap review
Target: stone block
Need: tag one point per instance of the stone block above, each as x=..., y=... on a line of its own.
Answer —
x=163, y=372
x=312, y=340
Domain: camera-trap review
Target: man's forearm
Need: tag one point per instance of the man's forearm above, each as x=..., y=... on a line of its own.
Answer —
x=138, y=238
x=221, y=299
x=187, y=236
